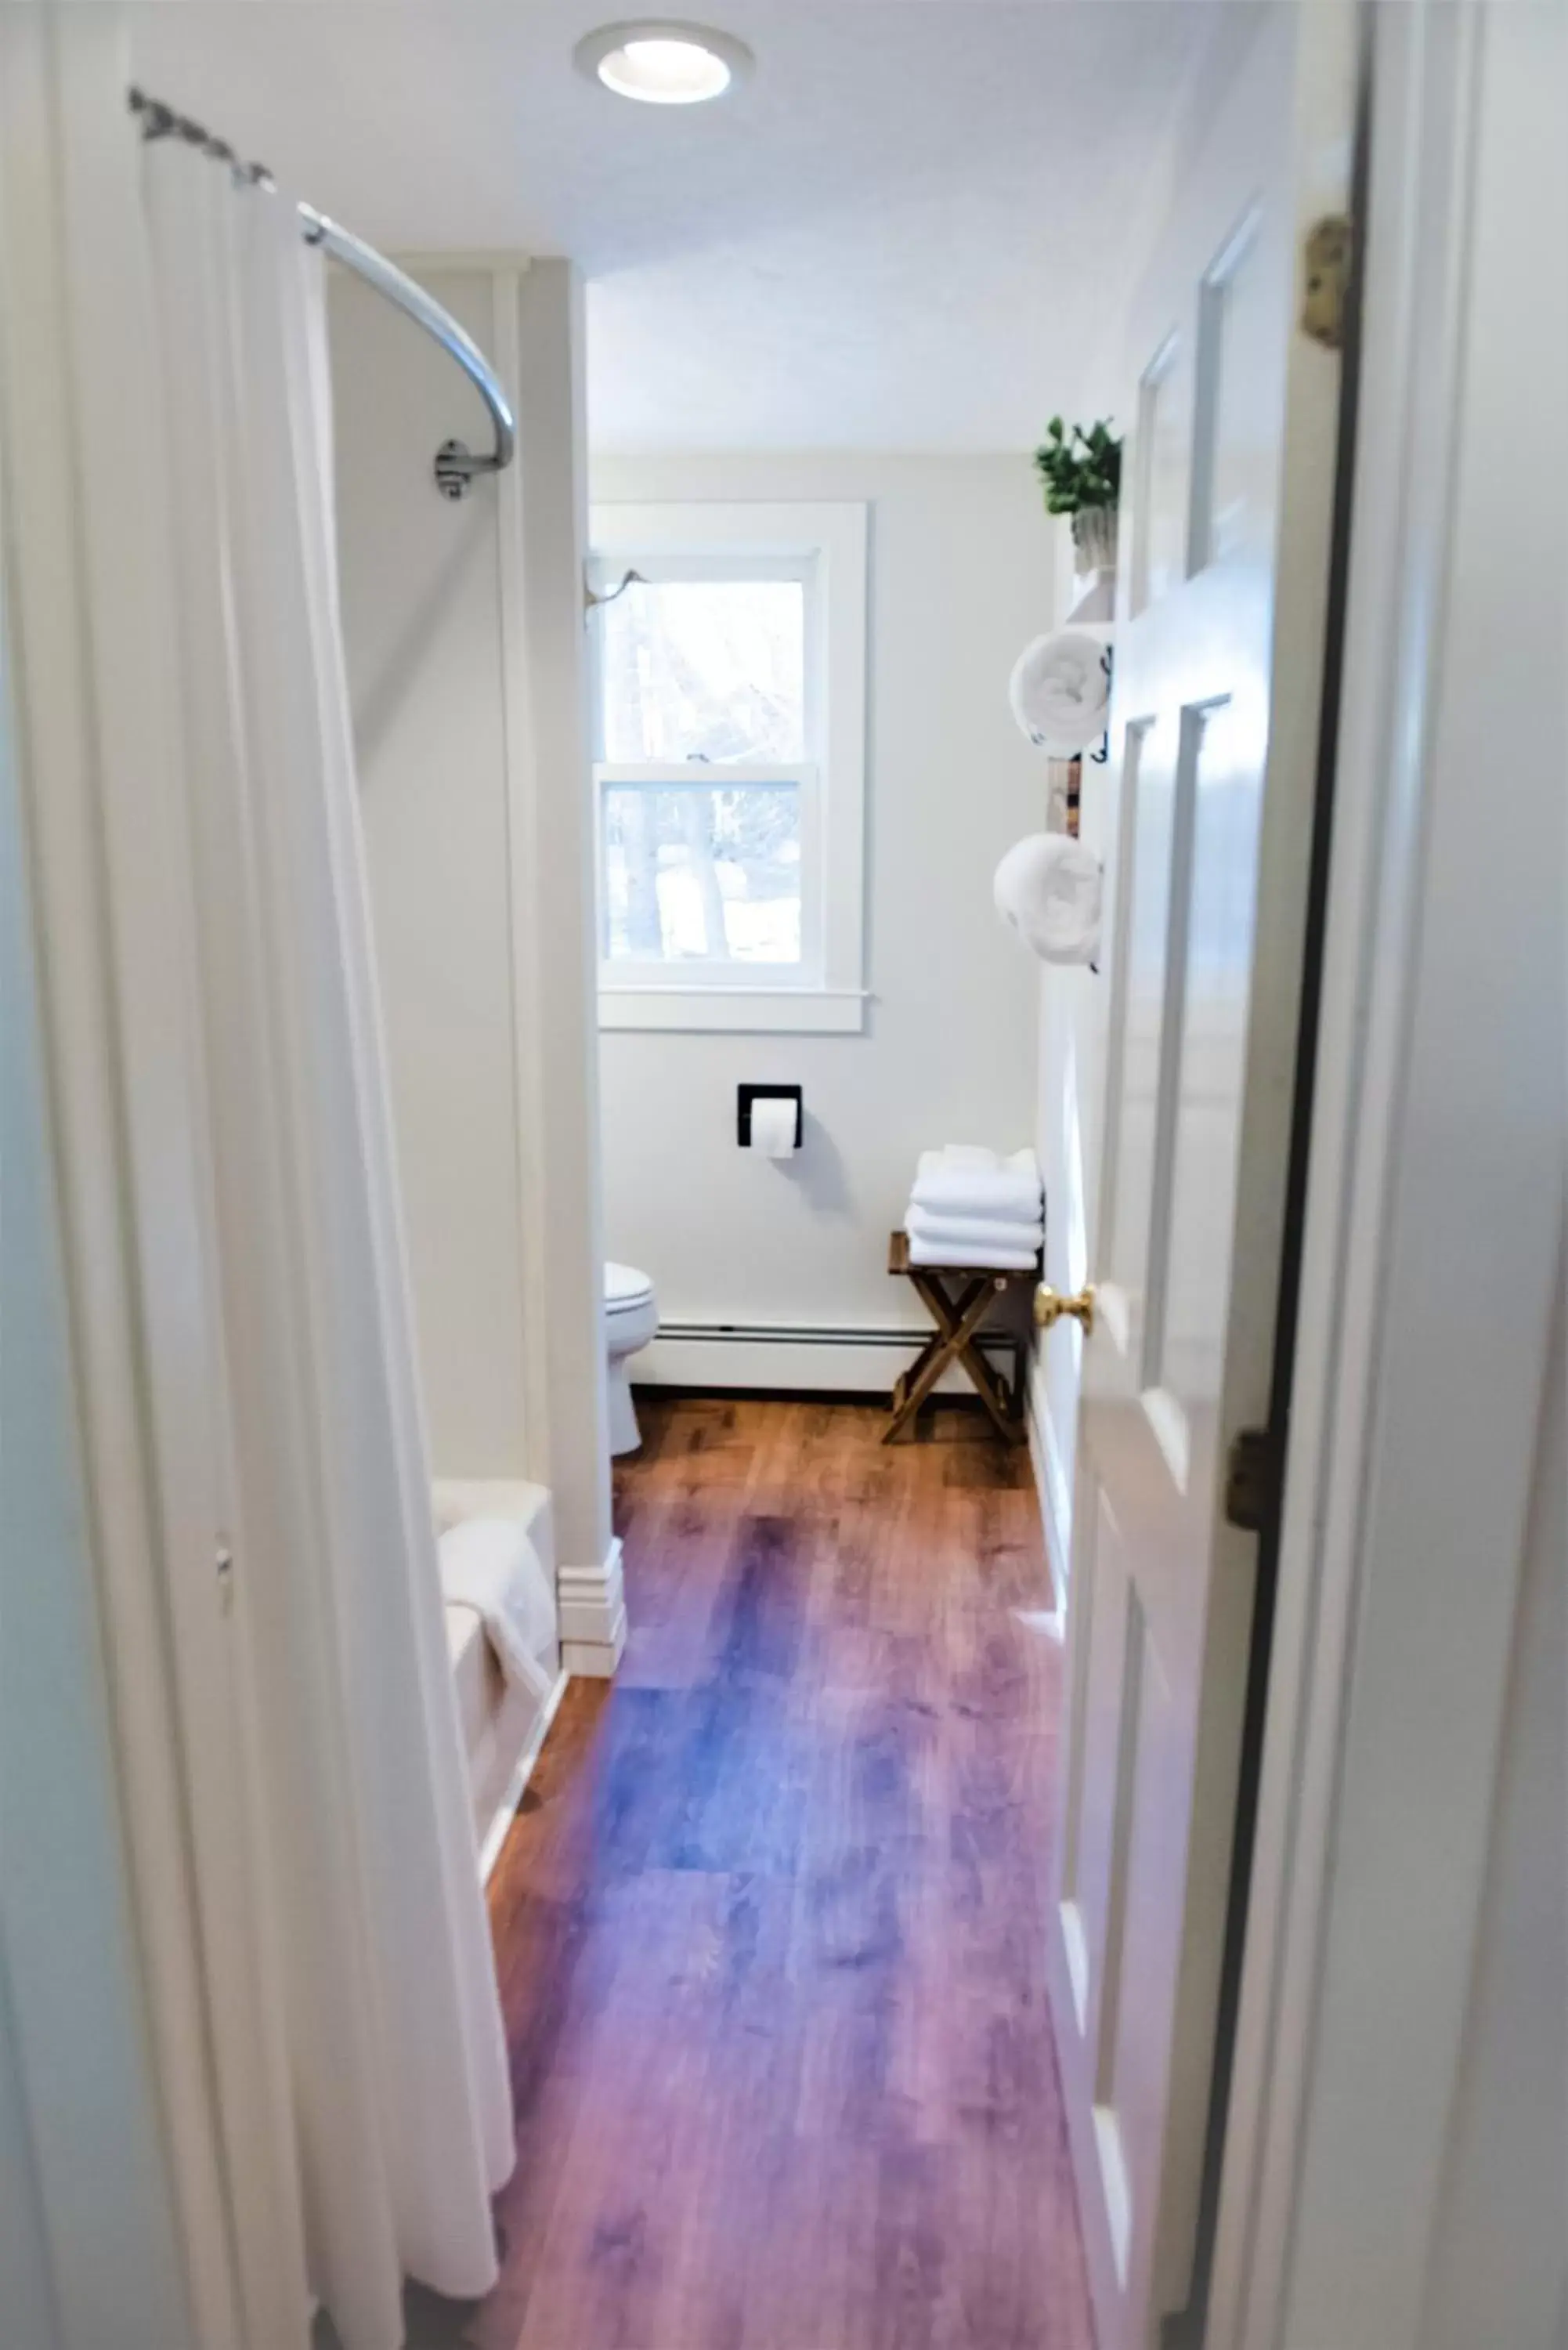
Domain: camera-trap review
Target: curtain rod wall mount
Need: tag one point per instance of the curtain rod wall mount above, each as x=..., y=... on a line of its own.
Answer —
x=456, y=467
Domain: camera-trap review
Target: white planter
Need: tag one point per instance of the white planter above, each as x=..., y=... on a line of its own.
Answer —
x=1094, y=538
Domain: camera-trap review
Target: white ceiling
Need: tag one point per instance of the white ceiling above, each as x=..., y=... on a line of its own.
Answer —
x=896, y=235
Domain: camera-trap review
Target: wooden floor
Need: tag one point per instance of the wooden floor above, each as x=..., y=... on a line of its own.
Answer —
x=772, y=1923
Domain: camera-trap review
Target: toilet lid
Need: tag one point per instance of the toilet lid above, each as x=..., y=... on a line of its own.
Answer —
x=625, y=1285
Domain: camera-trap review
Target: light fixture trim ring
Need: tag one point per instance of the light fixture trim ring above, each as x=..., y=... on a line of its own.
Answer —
x=594, y=47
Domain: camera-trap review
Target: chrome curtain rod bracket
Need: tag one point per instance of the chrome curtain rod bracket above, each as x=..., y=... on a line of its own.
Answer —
x=456, y=467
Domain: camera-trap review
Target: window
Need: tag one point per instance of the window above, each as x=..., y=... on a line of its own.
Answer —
x=729, y=766
x=699, y=873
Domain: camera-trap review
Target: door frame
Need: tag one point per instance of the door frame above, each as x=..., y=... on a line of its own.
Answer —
x=1352, y=1729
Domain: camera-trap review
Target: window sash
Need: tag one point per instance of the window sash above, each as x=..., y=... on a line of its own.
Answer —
x=714, y=565
x=717, y=971
x=825, y=547
x=605, y=573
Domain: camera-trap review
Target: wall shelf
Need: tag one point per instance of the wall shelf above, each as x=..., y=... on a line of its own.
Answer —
x=1093, y=598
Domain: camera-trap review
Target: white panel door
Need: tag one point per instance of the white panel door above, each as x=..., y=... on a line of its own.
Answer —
x=1206, y=823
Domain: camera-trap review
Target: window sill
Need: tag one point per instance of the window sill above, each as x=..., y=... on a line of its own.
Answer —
x=736, y=1010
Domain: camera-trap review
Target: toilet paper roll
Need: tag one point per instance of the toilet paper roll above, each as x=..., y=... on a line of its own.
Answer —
x=772, y=1128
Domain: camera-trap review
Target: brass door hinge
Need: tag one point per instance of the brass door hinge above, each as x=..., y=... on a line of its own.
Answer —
x=1328, y=253
x=1253, y=1477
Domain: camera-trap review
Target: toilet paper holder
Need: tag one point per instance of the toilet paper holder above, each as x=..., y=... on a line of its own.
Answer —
x=746, y=1095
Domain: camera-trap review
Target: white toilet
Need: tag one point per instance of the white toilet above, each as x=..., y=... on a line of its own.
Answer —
x=631, y=1319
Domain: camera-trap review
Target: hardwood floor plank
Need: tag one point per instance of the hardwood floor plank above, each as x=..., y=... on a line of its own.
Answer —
x=769, y=1924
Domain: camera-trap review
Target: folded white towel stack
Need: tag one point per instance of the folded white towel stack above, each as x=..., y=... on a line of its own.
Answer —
x=971, y=1207
x=972, y=1231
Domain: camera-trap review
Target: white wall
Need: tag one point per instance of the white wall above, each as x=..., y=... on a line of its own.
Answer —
x=1498, y=2242
x=29, y=2288
x=1070, y=1047
x=88, y=2248
x=464, y=635
x=422, y=626
x=960, y=560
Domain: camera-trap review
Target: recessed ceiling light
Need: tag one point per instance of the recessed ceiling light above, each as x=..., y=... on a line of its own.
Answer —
x=662, y=62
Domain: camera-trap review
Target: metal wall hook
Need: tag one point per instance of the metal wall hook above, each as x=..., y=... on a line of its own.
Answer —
x=592, y=600
x=1101, y=757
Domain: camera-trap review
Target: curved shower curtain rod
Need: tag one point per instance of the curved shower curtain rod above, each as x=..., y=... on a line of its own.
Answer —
x=456, y=464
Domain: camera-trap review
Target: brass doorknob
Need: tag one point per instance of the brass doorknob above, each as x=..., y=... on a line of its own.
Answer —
x=1050, y=1305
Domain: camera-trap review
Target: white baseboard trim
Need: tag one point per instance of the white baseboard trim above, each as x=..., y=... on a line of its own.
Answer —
x=591, y=1601
x=804, y=1359
x=506, y=1809
x=1050, y=1483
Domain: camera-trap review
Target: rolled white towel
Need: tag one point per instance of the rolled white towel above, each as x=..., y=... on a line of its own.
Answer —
x=972, y=1231
x=923, y=1251
x=1010, y=1188
x=1060, y=693
x=1047, y=889
x=490, y=1564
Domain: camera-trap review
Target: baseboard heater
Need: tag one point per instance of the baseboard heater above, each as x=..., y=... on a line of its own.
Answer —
x=787, y=1355
x=806, y=1334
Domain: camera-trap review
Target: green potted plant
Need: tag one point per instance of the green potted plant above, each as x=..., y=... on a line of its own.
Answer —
x=1081, y=473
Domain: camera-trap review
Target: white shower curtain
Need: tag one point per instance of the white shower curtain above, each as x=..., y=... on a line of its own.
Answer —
x=400, y=2077
x=378, y=2123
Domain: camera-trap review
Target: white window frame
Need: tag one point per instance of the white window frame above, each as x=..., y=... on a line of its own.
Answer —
x=824, y=546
